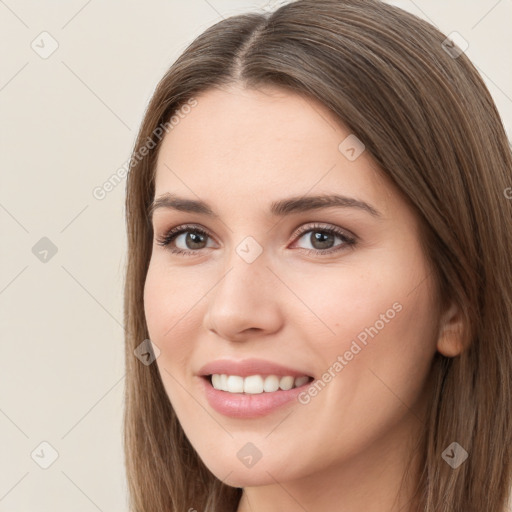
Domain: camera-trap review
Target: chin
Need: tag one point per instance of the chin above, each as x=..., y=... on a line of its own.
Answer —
x=248, y=477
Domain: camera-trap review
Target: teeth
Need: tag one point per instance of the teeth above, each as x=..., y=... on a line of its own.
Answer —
x=256, y=384
x=300, y=381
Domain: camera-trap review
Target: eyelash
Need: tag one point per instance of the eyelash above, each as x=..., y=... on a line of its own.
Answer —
x=348, y=242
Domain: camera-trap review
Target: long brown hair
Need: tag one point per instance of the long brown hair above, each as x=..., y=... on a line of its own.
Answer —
x=426, y=117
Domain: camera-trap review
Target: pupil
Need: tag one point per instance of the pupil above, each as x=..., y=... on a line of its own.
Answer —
x=324, y=239
x=195, y=238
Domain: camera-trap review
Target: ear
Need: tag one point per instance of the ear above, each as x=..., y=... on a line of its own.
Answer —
x=451, y=331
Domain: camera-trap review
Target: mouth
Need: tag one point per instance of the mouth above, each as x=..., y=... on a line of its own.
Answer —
x=256, y=384
x=251, y=388
x=254, y=396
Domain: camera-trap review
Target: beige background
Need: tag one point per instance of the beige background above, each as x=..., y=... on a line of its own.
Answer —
x=68, y=123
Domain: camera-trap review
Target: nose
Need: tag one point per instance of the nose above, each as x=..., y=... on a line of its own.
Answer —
x=244, y=303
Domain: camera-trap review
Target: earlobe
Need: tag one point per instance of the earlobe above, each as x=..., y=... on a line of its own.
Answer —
x=451, y=332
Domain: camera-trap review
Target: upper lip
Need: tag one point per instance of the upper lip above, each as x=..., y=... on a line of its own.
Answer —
x=247, y=367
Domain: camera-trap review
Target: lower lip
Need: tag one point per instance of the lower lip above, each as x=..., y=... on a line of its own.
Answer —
x=246, y=405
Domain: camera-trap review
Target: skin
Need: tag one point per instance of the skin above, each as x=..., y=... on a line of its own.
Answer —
x=346, y=449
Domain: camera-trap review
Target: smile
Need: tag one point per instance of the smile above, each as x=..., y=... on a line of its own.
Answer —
x=257, y=384
x=256, y=402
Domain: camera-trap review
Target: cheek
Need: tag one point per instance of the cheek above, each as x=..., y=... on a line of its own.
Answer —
x=378, y=316
x=157, y=308
x=169, y=306
x=403, y=356
x=386, y=334
x=380, y=319
x=169, y=298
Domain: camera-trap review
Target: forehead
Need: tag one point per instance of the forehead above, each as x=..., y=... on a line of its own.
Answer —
x=241, y=145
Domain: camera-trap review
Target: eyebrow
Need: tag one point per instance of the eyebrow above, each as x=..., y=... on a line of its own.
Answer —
x=278, y=208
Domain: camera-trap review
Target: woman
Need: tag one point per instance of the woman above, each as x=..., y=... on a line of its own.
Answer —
x=319, y=251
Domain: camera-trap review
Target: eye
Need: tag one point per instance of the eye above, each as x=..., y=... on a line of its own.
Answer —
x=191, y=237
x=322, y=239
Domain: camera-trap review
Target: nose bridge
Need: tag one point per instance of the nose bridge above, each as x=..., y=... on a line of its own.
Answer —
x=246, y=260
x=247, y=280
x=244, y=297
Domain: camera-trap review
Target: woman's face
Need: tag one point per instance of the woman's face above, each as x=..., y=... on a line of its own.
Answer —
x=338, y=293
